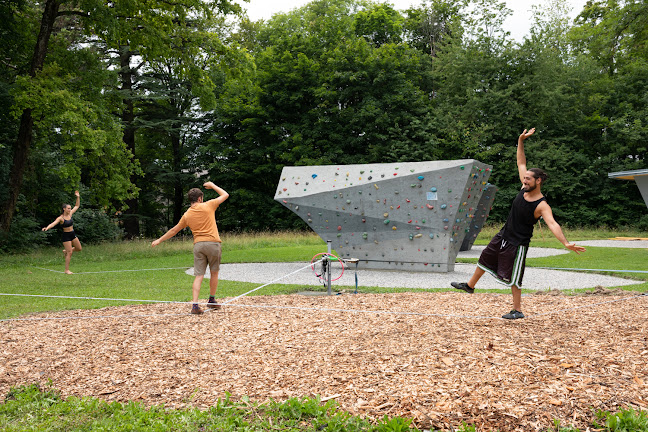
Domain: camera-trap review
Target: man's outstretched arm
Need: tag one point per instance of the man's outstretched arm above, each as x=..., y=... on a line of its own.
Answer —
x=555, y=228
x=173, y=231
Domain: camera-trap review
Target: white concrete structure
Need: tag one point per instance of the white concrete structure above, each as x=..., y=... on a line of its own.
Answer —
x=639, y=176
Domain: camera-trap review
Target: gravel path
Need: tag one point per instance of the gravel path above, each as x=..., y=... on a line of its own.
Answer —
x=634, y=244
x=534, y=279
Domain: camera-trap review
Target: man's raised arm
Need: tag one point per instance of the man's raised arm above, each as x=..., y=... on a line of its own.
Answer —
x=222, y=195
x=521, y=158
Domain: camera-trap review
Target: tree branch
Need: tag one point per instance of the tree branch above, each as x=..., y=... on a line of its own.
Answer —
x=75, y=13
x=9, y=65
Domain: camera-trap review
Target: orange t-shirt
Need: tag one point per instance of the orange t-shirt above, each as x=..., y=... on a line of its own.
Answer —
x=202, y=221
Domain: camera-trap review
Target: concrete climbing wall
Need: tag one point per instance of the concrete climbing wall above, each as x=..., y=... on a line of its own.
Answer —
x=395, y=216
x=481, y=214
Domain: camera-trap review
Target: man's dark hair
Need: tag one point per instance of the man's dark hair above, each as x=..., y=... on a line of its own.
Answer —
x=194, y=194
x=539, y=174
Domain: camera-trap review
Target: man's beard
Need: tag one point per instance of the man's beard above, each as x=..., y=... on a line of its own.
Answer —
x=530, y=188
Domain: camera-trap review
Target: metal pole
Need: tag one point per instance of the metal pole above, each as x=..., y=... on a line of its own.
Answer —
x=356, y=276
x=328, y=273
x=354, y=261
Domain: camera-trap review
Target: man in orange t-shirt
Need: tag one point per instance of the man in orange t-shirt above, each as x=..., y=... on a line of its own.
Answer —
x=201, y=220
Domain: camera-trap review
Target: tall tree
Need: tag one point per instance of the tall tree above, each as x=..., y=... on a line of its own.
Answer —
x=379, y=24
x=433, y=23
x=134, y=28
x=58, y=96
x=23, y=141
x=322, y=93
x=145, y=34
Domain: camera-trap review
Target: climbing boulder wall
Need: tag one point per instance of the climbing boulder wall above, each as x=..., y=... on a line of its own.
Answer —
x=479, y=216
x=410, y=216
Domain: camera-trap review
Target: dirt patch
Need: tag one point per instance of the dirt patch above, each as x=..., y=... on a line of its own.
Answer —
x=445, y=359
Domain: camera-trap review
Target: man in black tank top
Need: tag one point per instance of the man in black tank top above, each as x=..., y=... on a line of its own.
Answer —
x=505, y=255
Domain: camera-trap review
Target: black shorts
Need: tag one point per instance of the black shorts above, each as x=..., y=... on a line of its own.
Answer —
x=506, y=262
x=68, y=236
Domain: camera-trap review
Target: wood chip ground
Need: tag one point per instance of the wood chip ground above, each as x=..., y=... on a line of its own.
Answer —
x=443, y=359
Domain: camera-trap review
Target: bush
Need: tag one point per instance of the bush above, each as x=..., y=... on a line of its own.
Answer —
x=643, y=223
x=24, y=235
x=94, y=226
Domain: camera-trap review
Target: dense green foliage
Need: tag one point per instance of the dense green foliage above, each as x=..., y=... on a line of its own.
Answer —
x=134, y=105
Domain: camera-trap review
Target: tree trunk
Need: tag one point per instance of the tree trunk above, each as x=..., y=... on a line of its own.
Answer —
x=130, y=216
x=178, y=187
x=23, y=142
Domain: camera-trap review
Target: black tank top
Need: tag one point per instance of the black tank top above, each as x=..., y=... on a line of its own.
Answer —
x=67, y=223
x=518, y=229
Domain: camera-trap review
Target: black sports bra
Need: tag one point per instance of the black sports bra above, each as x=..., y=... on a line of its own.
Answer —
x=67, y=223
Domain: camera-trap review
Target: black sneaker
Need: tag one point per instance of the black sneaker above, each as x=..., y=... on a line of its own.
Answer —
x=514, y=314
x=463, y=286
x=211, y=303
x=196, y=310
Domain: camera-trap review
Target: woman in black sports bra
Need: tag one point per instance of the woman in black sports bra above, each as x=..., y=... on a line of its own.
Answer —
x=70, y=241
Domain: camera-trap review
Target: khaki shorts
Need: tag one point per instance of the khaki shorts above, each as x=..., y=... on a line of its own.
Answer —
x=204, y=253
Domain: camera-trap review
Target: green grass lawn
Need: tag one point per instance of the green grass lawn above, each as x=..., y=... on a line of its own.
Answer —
x=40, y=272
